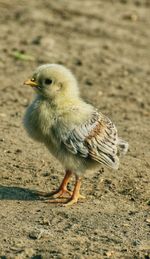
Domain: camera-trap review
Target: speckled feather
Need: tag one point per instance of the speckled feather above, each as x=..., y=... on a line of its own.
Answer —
x=97, y=139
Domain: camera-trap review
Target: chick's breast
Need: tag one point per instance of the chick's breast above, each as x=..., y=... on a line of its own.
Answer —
x=38, y=120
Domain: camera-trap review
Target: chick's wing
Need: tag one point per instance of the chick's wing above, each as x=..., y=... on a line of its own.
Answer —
x=95, y=139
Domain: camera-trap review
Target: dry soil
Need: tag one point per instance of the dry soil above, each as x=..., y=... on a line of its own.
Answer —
x=107, y=46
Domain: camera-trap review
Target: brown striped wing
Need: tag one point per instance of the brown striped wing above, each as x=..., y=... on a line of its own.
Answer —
x=96, y=139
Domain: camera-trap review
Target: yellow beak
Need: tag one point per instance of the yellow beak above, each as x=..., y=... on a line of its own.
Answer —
x=31, y=83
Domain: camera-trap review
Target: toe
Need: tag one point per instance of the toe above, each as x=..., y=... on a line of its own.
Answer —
x=70, y=202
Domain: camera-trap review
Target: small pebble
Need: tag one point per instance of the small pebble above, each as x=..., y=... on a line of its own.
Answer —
x=37, y=40
x=136, y=242
x=148, y=221
x=88, y=82
x=38, y=234
x=78, y=62
x=17, y=151
x=131, y=16
x=46, y=222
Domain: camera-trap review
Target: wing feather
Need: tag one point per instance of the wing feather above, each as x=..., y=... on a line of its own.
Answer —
x=96, y=139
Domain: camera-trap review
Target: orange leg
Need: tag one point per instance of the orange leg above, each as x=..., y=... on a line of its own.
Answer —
x=76, y=193
x=63, y=187
x=61, y=190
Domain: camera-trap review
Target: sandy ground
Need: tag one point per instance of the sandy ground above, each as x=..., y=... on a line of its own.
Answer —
x=107, y=46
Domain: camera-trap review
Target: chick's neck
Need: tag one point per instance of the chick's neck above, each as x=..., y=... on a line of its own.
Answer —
x=62, y=101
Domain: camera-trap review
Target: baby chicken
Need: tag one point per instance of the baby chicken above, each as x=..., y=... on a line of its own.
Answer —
x=79, y=136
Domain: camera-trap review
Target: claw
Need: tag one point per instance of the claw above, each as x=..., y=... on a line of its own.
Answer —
x=59, y=200
x=59, y=195
x=70, y=202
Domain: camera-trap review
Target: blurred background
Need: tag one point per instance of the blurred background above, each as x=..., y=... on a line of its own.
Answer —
x=106, y=44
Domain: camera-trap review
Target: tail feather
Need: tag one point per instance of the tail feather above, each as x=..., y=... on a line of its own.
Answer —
x=122, y=147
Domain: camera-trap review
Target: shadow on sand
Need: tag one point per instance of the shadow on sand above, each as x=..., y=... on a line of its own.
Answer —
x=17, y=193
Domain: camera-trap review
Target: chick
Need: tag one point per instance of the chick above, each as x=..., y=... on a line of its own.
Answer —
x=79, y=136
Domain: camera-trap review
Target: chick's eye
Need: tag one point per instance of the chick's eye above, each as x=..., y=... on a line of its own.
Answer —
x=32, y=79
x=48, y=81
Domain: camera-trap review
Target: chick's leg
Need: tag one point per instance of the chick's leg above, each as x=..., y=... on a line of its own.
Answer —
x=63, y=187
x=62, y=190
x=76, y=193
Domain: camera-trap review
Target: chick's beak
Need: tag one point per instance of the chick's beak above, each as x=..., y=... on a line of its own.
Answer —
x=31, y=83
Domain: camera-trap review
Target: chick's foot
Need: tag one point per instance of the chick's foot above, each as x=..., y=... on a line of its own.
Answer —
x=60, y=193
x=76, y=193
x=73, y=200
x=62, y=190
x=63, y=199
x=54, y=194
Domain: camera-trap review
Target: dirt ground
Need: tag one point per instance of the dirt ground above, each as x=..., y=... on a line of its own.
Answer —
x=107, y=46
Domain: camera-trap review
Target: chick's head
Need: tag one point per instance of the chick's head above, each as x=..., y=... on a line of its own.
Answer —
x=52, y=81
